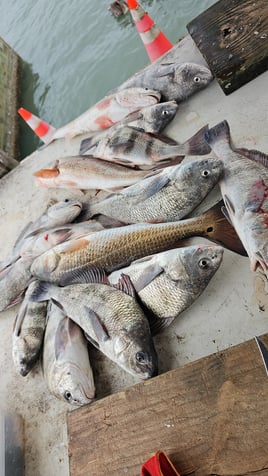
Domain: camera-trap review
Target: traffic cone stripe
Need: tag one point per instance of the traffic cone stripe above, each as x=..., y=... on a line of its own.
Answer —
x=144, y=24
x=158, y=47
x=42, y=129
x=155, y=42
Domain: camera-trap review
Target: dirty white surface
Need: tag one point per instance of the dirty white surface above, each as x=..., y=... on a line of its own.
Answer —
x=233, y=308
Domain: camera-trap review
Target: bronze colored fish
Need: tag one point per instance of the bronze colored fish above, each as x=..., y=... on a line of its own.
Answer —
x=117, y=247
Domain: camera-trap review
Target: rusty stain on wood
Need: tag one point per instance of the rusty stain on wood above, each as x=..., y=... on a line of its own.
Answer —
x=210, y=417
x=233, y=38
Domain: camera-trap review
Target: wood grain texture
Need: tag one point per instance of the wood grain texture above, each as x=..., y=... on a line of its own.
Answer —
x=9, y=92
x=232, y=35
x=209, y=416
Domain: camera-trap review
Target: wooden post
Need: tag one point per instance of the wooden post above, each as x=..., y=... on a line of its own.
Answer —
x=9, y=79
x=232, y=35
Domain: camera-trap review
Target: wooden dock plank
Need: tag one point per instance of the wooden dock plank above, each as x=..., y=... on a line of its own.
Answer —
x=9, y=93
x=233, y=38
x=209, y=416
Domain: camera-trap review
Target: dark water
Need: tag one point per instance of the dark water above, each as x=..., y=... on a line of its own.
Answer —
x=74, y=52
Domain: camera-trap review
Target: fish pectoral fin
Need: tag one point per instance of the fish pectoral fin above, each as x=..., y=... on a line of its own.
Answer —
x=99, y=328
x=167, y=69
x=156, y=184
x=62, y=338
x=125, y=285
x=92, y=274
x=152, y=271
x=158, y=324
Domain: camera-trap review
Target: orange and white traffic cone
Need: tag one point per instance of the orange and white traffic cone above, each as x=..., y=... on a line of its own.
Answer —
x=155, y=42
x=41, y=128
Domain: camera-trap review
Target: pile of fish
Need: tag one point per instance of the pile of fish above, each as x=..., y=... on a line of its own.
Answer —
x=115, y=271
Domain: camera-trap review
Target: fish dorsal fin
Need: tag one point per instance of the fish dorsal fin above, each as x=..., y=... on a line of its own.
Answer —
x=99, y=328
x=91, y=274
x=125, y=285
x=255, y=155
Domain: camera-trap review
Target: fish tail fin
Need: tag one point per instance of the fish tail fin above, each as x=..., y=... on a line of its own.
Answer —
x=40, y=291
x=218, y=133
x=197, y=145
x=219, y=230
x=42, y=129
x=47, y=173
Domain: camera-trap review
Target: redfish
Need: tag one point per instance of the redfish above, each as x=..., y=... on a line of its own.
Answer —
x=88, y=173
x=114, y=248
x=105, y=113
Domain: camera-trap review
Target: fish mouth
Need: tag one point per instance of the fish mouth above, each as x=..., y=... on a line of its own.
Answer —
x=155, y=95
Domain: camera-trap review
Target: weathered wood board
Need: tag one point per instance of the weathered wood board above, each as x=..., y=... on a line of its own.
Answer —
x=9, y=83
x=233, y=38
x=209, y=416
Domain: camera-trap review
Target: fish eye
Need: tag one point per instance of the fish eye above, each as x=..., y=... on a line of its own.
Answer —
x=140, y=357
x=203, y=263
x=66, y=200
x=205, y=173
x=67, y=395
x=197, y=79
x=165, y=112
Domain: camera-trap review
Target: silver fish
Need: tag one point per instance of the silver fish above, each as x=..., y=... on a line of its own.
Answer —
x=175, y=81
x=65, y=361
x=38, y=242
x=111, y=319
x=149, y=119
x=169, y=196
x=56, y=214
x=168, y=283
x=114, y=248
x=244, y=188
x=133, y=147
x=28, y=332
x=14, y=280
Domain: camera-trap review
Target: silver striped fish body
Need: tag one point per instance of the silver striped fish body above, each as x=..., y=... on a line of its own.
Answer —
x=28, y=332
x=66, y=366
